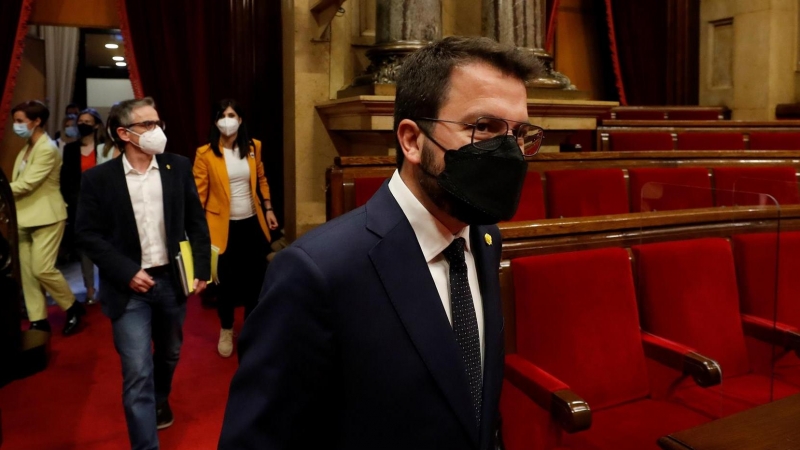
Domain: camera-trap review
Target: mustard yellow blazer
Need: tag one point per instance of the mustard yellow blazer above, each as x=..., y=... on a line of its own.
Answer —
x=214, y=187
x=37, y=189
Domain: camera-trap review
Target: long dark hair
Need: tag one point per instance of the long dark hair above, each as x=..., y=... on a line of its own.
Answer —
x=243, y=140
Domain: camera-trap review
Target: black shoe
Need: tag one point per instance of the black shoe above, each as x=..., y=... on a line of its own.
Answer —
x=74, y=314
x=164, y=418
x=41, y=325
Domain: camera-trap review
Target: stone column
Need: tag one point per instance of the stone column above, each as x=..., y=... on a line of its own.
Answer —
x=522, y=23
x=402, y=26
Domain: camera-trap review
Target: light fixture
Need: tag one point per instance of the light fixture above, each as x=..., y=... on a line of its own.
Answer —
x=112, y=46
x=122, y=64
x=118, y=58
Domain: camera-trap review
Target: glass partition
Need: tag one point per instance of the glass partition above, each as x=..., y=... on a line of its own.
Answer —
x=692, y=272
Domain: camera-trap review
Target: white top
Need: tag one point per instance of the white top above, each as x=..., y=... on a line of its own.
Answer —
x=433, y=238
x=242, y=206
x=103, y=158
x=147, y=199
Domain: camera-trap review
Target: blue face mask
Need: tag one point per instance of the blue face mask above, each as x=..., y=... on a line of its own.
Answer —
x=22, y=130
x=71, y=132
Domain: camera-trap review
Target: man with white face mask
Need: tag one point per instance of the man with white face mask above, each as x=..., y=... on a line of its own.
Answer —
x=133, y=212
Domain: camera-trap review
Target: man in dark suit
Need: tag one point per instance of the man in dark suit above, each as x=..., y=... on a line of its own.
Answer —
x=383, y=329
x=133, y=212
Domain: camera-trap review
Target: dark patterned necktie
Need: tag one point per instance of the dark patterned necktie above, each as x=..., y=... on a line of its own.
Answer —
x=465, y=323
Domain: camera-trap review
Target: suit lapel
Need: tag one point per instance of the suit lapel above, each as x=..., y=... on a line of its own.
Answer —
x=485, y=264
x=414, y=296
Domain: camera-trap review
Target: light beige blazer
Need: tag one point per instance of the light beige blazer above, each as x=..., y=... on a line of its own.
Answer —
x=36, y=189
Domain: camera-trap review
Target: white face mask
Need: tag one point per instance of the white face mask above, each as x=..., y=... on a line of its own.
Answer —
x=228, y=126
x=152, y=142
x=22, y=130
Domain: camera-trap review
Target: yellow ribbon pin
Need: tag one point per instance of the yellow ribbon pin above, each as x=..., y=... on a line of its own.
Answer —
x=168, y=167
x=488, y=238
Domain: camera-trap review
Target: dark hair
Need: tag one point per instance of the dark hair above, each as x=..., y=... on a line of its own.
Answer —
x=70, y=117
x=33, y=109
x=243, y=140
x=423, y=81
x=120, y=116
x=72, y=105
x=100, y=137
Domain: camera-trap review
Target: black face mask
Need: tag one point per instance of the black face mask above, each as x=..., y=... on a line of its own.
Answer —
x=484, y=186
x=85, y=129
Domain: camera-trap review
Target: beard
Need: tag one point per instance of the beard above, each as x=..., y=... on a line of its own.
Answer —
x=429, y=183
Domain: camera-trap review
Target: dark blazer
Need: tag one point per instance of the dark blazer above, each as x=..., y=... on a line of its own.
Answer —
x=350, y=348
x=106, y=230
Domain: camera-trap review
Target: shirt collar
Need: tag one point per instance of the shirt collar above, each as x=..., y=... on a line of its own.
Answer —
x=432, y=235
x=128, y=168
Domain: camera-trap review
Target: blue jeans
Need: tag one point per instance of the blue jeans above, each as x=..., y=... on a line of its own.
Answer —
x=147, y=370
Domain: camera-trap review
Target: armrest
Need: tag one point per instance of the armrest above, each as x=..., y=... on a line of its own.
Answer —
x=570, y=411
x=776, y=333
x=705, y=371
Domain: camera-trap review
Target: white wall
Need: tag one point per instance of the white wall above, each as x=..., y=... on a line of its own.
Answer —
x=102, y=93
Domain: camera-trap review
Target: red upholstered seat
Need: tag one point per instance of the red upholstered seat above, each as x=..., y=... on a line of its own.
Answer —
x=365, y=188
x=578, y=193
x=641, y=114
x=667, y=189
x=531, y=203
x=710, y=141
x=580, y=324
x=774, y=141
x=640, y=141
x=693, y=114
x=762, y=261
x=688, y=294
x=741, y=186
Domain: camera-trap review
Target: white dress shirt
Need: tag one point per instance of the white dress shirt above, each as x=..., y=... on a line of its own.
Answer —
x=147, y=199
x=242, y=206
x=433, y=238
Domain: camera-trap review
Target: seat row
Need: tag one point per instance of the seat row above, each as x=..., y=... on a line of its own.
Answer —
x=592, y=192
x=699, y=140
x=652, y=339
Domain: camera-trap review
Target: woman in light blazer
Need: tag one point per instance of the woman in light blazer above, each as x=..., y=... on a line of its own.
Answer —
x=230, y=176
x=41, y=218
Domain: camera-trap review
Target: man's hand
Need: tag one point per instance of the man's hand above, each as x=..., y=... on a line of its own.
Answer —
x=141, y=282
x=199, y=286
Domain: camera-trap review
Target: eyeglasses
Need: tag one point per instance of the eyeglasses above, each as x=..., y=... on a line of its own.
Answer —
x=149, y=125
x=529, y=137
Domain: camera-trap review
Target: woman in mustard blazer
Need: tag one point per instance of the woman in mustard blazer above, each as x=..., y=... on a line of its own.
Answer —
x=230, y=176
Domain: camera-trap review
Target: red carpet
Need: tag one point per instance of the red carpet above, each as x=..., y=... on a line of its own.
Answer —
x=76, y=403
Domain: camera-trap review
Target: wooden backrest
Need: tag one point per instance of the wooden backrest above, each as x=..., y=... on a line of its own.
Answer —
x=669, y=113
x=782, y=135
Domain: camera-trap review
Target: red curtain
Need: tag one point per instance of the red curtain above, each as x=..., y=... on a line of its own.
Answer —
x=188, y=54
x=13, y=27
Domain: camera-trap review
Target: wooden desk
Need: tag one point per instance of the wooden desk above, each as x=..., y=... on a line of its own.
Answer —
x=770, y=426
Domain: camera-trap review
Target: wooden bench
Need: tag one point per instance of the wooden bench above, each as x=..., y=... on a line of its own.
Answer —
x=752, y=135
x=344, y=177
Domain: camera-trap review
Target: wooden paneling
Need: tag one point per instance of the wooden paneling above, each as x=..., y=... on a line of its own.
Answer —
x=76, y=13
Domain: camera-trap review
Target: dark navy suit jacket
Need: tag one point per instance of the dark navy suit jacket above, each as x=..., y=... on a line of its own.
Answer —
x=106, y=230
x=350, y=348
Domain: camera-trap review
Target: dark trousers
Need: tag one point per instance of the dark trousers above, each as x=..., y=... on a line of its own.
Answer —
x=241, y=269
x=147, y=371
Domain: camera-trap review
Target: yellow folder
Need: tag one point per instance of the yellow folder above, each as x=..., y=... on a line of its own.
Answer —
x=185, y=263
